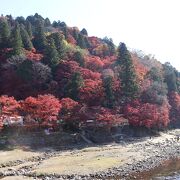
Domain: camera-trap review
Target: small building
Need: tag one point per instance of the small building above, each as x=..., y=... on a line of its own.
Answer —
x=13, y=120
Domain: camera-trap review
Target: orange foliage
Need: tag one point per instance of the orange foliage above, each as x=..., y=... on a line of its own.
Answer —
x=92, y=93
x=88, y=74
x=44, y=108
x=68, y=104
x=108, y=61
x=33, y=55
x=101, y=50
x=94, y=63
x=147, y=115
x=94, y=41
x=65, y=69
x=141, y=70
x=8, y=107
x=71, y=40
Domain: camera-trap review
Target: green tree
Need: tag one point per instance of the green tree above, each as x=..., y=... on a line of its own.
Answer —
x=29, y=29
x=47, y=22
x=10, y=20
x=21, y=20
x=111, y=46
x=55, y=24
x=4, y=33
x=127, y=73
x=155, y=74
x=16, y=40
x=109, y=99
x=87, y=43
x=65, y=31
x=25, y=38
x=81, y=41
x=84, y=32
x=24, y=70
x=75, y=33
x=171, y=77
x=79, y=58
x=39, y=36
x=59, y=43
x=72, y=89
x=51, y=54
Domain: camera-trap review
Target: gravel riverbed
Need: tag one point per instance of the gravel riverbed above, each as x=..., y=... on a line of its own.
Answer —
x=123, y=160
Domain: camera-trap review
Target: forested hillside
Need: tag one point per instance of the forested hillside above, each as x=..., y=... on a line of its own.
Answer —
x=53, y=74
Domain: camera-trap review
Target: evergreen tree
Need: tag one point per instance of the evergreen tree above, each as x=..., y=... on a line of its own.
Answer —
x=38, y=17
x=81, y=41
x=39, y=36
x=29, y=29
x=87, y=43
x=51, y=54
x=4, y=33
x=111, y=46
x=47, y=22
x=171, y=77
x=65, y=31
x=79, y=58
x=109, y=100
x=72, y=89
x=155, y=74
x=59, y=43
x=84, y=32
x=21, y=20
x=62, y=24
x=10, y=20
x=24, y=70
x=75, y=34
x=31, y=19
x=25, y=38
x=127, y=74
x=16, y=40
x=55, y=24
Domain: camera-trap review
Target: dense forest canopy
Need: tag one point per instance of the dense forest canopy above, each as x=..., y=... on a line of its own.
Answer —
x=52, y=73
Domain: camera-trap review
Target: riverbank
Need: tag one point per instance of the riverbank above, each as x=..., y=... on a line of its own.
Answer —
x=123, y=160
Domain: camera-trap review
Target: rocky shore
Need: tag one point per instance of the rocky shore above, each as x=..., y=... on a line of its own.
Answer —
x=127, y=159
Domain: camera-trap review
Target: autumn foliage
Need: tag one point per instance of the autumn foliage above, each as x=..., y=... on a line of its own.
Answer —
x=147, y=115
x=44, y=109
x=8, y=107
x=92, y=93
x=68, y=104
x=59, y=74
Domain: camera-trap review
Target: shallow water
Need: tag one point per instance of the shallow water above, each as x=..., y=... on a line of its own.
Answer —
x=169, y=170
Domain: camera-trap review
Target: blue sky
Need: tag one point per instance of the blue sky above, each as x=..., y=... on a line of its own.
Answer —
x=149, y=25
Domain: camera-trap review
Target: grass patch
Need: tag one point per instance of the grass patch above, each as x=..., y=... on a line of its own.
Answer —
x=16, y=154
x=79, y=164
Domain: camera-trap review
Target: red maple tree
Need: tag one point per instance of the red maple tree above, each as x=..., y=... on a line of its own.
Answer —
x=8, y=107
x=147, y=115
x=44, y=109
x=92, y=93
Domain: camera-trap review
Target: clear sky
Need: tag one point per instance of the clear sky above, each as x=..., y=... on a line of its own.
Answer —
x=149, y=25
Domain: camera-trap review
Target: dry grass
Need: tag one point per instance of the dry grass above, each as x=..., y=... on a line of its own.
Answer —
x=17, y=167
x=16, y=154
x=89, y=160
x=17, y=178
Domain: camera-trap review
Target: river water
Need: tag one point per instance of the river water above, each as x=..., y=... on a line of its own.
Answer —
x=169, y=170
